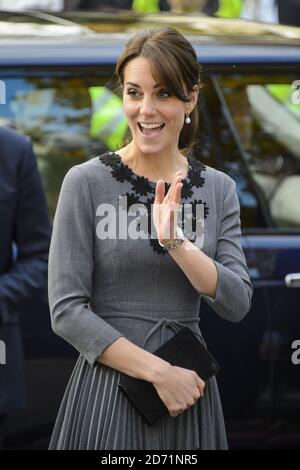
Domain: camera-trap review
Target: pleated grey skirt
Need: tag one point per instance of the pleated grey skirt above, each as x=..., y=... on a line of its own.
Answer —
x=95, y=415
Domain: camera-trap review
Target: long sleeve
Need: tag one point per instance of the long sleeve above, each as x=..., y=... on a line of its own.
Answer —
x=234, y=288
x=70, y=279
x=31, y=234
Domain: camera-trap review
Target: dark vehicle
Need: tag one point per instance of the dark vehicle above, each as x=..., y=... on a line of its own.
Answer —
x=250, y=129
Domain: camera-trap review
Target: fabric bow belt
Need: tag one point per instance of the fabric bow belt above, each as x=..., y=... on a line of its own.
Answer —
x=159, y=324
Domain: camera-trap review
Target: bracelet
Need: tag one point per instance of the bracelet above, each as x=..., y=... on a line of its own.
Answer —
x=180, y=238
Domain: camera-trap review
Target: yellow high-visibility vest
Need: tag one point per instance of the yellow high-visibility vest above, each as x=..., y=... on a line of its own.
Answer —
x=230, y=8
x=283, y=93
x=108, y=121
x=145, y=6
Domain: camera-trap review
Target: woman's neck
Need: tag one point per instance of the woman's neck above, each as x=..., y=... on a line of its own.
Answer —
x=154, y=166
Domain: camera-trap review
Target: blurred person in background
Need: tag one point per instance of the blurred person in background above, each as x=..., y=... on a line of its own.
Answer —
x=51, y=5
x=186, y=6
x=24, y=241
x=210, y=7
x=256, y=10
x=145, y=6
x=260, y=10
x=229, y=8
x=289, y=12
x=104, y=5
x=139, y=6
x=150, y=6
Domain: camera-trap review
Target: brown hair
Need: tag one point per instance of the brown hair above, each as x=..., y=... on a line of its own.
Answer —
x=174, y=64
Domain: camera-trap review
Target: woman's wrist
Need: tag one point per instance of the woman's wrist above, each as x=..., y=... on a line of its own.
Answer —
x=175, y=242
x=157, y=370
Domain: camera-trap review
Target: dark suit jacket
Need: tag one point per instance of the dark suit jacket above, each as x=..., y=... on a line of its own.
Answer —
x=24, y=243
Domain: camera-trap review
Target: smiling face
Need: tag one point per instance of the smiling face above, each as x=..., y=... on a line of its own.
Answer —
x=154, y=115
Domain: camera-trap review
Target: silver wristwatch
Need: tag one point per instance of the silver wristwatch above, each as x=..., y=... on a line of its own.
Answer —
x=180, y=238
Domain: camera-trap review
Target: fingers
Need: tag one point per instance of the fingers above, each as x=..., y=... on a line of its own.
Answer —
x=174, y=186
x=172, y=202
x=159, y=192
x=200, y=385
x=201, y=390
x=177, y=196
x=174, y=192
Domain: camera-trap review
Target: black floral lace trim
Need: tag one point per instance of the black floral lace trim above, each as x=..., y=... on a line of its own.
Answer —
x=141, y=186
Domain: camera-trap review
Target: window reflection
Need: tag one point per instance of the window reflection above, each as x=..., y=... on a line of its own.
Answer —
x=267, y=118
x=74, y=116
x=227, y=157
x=65, y=119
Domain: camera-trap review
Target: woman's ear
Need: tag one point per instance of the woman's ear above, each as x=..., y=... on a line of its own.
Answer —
x=194, y=97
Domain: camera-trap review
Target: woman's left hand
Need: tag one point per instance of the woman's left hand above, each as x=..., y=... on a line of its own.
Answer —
x=165, y=209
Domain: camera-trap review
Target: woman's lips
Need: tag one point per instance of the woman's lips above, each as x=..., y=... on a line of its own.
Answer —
x=151, y=133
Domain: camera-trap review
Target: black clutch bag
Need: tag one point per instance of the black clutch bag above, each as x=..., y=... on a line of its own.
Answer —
x=183, y=350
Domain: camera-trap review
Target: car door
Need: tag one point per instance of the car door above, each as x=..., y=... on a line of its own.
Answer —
x=254, y=125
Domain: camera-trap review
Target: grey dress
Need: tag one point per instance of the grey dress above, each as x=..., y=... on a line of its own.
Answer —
x=102, y=289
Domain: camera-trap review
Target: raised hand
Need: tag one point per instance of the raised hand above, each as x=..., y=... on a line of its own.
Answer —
x=165, y=209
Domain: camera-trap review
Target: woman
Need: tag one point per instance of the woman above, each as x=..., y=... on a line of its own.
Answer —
x=117, y=297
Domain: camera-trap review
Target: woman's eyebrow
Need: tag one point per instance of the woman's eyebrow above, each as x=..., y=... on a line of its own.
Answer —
x=138, y=86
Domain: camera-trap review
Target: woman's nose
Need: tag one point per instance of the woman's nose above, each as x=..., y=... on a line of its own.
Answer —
x=147, y=106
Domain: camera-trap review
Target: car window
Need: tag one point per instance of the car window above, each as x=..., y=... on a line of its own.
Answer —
x=75, y=115
x=265, y=112
x=71, y=117
x=217, y=147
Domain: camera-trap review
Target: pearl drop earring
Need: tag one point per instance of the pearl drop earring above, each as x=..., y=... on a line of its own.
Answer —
x=188, y=120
